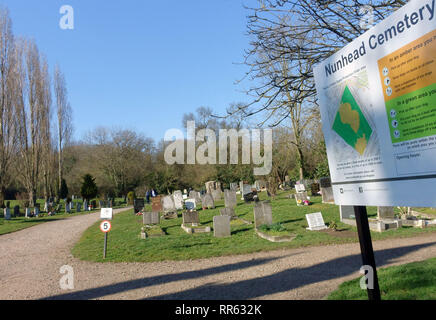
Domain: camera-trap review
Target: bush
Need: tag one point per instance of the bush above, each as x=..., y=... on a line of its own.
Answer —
x=131, y=196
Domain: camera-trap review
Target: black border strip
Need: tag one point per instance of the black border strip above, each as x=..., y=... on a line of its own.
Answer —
x=431, y=176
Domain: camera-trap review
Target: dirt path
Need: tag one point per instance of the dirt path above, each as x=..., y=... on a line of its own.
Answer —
x=30, y=261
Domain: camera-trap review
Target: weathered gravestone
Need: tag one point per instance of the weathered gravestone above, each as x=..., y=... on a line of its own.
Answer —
x=7, y=213
x=85, y=205
x=36, y=211
x=178, y=199
x=168, y=204
x=191, y=217
x=216, y=195
x=300, y=188
x=68, y=207
x=17, y=211
x=326, y=190
x=138, y=205
x=385, y=213
x=228, y=212
x=230, y=198
x=27, y=213
x=241, y=189
x=210, y=185
x=151, y=218
x=46, y=204
x=315, y=221
x=190, y=204
x=347, y=213
x=195, y=195
x=79, y=207
x=221, y=226
x=262, y=214
x=207, y=201
x=233, y=186
x=300, y=198
x=156, y=204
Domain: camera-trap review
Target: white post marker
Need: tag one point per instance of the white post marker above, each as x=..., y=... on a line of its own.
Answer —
x=105, y=226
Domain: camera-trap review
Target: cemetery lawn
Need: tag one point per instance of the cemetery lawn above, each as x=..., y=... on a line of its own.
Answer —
x=21, y=222
x=125, y=245
x=412, y=281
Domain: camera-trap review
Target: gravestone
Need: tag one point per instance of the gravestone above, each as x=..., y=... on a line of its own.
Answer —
x=101, y=203
x=241, y=189
x=300, y=188
x=190, y=204
x=195, y=195
x=262, y=214
x=191, y=218
x=301, y=196
x=228, y=212
x=46, y=204
x=347, y=212
x=385, y=213
x=233, y=186
x=325, y=182
x=178, y=199
x=230, y=198
x=207, y=201
x=7, y=213
x=68, y=208
x=168, y=204
x=156, y=204
x=151, y=218
x=210, y=185
x=315, y=221
x=315, y=188
x=216, y=195
x=17, y=211
x=79, y=207
x=27, y=213
x=221, y=226
x=327, y=195
x=138, y=205
x=85, y=206
x=37, y=211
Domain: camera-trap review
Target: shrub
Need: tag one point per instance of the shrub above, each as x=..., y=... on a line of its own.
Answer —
x=131, y=196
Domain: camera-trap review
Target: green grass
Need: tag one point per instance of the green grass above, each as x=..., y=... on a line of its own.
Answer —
x=125, y=245
x=413, y=281
x=20, y=223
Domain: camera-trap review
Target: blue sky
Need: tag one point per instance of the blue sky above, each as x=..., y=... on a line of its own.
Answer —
x=140, y=64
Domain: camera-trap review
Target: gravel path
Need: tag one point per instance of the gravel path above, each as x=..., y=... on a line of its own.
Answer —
x=30, y=262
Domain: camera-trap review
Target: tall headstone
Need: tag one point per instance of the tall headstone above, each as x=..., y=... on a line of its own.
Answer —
x=85, y=206
x=178, y=199
x=79, y=207
x=221, y=226
x=68, y=207
x=156, y=204
x=241, y=189
x=7, y=213
x=168, y=204
x=262, y=214
x=36, y=211
x=27, y=213
x=230, y=198
x=210, y=185
x=207, y=201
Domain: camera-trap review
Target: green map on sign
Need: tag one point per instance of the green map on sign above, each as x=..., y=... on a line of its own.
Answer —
x=351, y=124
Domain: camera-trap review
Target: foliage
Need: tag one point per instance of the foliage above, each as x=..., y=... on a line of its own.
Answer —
x=89, y=188
x=63, y=192
x=131, y=196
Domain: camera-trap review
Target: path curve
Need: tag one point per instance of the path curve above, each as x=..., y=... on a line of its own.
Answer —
x=30, y=262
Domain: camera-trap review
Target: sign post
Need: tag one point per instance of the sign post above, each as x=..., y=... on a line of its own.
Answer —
x=377, y=98
x=106, y=214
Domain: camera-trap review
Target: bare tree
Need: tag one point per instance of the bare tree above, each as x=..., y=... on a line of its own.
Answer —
x=8, y=138
x=63, y=110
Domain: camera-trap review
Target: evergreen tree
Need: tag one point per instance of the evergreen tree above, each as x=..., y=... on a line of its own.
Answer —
x=89, y=188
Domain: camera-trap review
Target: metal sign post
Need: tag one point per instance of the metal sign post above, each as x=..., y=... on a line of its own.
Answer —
x=105, y=227
x=366, y=249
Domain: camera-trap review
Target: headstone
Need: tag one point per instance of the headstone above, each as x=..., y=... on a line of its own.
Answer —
x=168, y=204
x=46, y=204
x=195, y=195
x=314, y=188
x=27, y=214
x=190, y=204
x=315, y=221
x=85, y=205
x=228, y=212
x=300, y=197
x=246, y=189
x=36, y=211
x=327, y=195
x=79, y=207
x=325, y=182
x=347, y=212
x=178, y=199
x=68, y=207
x=216, y=195
x=300, y=188
x=262, y=214
x=233, y=186
x=230, y=198
x=210, y=185
x=221, y=226
x=241, y=189
x=17, y=211
x=7, y=213
x=156, y=204
x=101, y=203
x=151, y=218
x=191, y=218
x=207, y=201
x=385, y=213
x=138, y=205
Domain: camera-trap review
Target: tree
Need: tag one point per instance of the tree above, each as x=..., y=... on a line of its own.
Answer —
x=89, y=188
x=63, y=191
x=63, y=110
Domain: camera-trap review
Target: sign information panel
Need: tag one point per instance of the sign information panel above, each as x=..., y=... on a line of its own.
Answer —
x=378, y=108
x=106, y=213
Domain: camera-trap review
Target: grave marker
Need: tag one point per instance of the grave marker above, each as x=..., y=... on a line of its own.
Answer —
x=262, y=214
x=149, y=218
x=221, y=226
x=315, y=221
x=230, y=198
